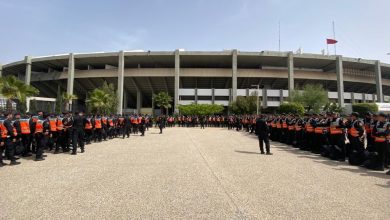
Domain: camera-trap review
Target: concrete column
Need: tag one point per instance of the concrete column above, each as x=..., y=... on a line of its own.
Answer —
x=378, y=81
x=352, y=98
x=27, y=77
x=281, y=96
x=340, y=80
x=213, y=96
x=234, y=75
x=124, y=99
x=139, y=101
x=70, y=84
x=290, y=69
x=177, y=80
x=363, y=97
x=247, y=92
x=121, y=78
x=264, y=97
x=1, y=70
x=196, y=95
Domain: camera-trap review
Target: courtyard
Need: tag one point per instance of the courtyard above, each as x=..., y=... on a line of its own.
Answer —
x=189, y=173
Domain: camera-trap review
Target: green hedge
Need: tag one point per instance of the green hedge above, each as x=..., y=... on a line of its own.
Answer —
x=200, y=109
x=363, y=108
x=291, y=108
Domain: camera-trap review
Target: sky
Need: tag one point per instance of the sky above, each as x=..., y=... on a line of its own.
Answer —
x=48, y=27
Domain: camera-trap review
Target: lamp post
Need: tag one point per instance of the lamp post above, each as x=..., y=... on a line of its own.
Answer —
x=257, y=97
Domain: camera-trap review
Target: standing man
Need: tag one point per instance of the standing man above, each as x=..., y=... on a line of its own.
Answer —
x=262, y=132
x=9, y=138
x=79, y=122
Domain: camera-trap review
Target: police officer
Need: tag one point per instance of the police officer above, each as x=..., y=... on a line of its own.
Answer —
x=9, y=139
x=381, y=140
x=262, y=132
x=42, y=132
x=78, y=125
x=356, y=139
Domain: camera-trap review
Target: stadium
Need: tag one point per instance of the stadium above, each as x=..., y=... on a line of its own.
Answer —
x=211, y=77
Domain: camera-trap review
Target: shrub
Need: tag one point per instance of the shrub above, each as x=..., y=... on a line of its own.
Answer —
x=363, y=108
x=291, y=108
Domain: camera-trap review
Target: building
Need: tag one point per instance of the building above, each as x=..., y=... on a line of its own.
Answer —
x=203, y=76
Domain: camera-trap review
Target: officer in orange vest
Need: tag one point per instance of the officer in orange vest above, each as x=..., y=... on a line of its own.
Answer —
x=98, y=128
x=9, y=137
x=141, y=125
x=356, y=139
x=53, y=131
x=18, y=143
x=2, y=139
x=42, y=135
x=337, y=138
x=25, y=124
x=88, y=129
x=381, y=134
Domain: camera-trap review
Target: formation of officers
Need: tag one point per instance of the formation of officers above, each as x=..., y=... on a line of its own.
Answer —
x=363, y=140
x=29, y=134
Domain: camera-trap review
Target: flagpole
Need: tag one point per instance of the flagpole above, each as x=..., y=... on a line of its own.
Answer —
x=334, y=37
x=327, y=49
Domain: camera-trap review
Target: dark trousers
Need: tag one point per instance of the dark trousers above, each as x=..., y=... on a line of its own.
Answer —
x=381, y=148
x=264, y=139
x=88, y=136
x=338, y=146
x=77, y=140
x=126, y=131
x=1, y=153
x=41, y=144
x=26, y=142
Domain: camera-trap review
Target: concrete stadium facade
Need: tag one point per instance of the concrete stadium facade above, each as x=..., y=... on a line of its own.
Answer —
x=203, y=76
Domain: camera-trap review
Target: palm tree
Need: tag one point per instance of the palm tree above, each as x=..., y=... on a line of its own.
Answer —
x=99, y=101
x=68, y=99
x=14, y=89
x=162, y=100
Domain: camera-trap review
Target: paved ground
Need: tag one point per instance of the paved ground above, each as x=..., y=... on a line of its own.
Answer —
x=191, y=174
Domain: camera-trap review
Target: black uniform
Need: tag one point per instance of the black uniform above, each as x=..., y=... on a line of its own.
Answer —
x=78, y=133
x=262, y=132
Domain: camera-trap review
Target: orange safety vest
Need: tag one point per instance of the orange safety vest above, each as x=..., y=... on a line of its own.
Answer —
x=39, y=126
x=4, y=131
x=25, y=126
x=60, y=125
x=284, y=125
x=139, y=120
x=53, y=124
x=111, y=122
x=309, y=128
x=278, y=125
x=298, y=128
x=98, y=123
x=88, y=125
x=104, y=120
x=291, y=127
x=319, y=130
x=333, y=128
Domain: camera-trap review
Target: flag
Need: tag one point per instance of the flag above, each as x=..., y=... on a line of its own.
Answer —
x=331, y=41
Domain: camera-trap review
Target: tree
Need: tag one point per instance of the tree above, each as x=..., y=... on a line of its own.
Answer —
x=291, y=108
x=244, y=105
x=14, y=89
x=333, y=107
x=312, y=96
x=68, y=99
x=103, y=100
x=112, y=103
x=162, y=100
